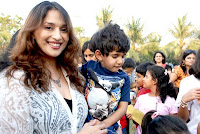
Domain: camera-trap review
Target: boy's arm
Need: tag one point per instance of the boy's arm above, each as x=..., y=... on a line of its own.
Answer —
x=117, y=115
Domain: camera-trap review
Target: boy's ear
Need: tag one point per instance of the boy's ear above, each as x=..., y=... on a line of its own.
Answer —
x=98, y=55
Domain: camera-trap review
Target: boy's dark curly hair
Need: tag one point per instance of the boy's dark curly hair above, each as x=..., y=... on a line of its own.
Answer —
x=164, y=87
x=110, y=38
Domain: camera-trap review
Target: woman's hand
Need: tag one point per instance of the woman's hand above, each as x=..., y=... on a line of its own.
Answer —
x=93, y=127
x=191, y=95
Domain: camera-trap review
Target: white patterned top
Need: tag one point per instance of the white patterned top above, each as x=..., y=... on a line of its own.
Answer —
x=25, y=111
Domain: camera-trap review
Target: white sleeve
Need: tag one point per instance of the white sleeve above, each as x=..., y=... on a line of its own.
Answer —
x=183, y=89
x=14, y=107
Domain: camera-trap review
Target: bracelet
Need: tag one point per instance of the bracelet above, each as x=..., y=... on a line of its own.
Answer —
x=183, y=104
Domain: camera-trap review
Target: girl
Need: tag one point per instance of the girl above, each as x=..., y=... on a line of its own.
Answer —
x=159, y=59
x=41, y=91
x=162, y=95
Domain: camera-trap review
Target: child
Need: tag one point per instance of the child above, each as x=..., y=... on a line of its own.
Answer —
x=169, y=69
x=140, y=74
x=128, y=67
x=153, y=123
x=108, y=87
x=87, y=52
x=162, y=95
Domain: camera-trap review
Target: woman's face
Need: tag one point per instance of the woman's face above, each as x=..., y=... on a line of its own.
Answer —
x=189, y=60
x=52, y=36
x=159, y=58
x=89, y=55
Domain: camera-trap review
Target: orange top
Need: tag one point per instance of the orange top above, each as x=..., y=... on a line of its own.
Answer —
x=180, y=74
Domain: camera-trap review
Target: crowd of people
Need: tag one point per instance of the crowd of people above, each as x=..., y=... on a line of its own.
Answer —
x=48, y=86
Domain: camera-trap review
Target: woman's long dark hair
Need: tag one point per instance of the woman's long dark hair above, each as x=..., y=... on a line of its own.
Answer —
x=196, y=66
x=164, y=87
x=184, y=55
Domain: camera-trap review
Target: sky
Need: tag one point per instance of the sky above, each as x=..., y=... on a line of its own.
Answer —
x=156, y=15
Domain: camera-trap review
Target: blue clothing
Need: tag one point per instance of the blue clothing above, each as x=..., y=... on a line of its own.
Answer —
x=104, y=90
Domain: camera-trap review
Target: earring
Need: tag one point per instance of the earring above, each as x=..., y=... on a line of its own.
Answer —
x=183, y=64
x=33, y=40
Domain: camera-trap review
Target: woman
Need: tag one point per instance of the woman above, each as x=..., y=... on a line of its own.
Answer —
x=42, y=90
x=159, y=59
x=189, y=96
x=181, y=72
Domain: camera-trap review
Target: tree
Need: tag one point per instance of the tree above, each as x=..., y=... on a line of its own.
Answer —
x=104, y=18
x=8, y=26
x=134, y=30
x=79, y=31
x=182, y=31
x=151, y=44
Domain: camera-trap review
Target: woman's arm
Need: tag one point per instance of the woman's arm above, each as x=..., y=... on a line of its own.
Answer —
x=173, y=77
x=183, y=111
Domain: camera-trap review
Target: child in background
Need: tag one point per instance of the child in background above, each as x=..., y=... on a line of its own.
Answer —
x=107, y=86
x=169, y=69
x=140, y=74
x=162, y=95
x=128, y=67
x=87, y=52
x=153, y=123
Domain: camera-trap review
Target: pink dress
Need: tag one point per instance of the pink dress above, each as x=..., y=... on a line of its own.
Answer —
x=146, y=103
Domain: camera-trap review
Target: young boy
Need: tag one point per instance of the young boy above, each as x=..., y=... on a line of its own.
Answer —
x=107, y=86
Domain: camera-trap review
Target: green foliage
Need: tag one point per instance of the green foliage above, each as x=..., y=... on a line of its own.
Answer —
x=104, y=18
x=182, y=31
x=8, y=26
x=79, y=31
x=134, y=30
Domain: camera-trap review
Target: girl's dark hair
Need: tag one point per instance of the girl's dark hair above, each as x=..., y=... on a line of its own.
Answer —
x=164, y=58
x=129, y=62
x=146, y=120
x=142, y=68
x=196, y=66
x=184, y=55
x=164, y=88
x=27, y=56
x=163, y=124
x=109, y=38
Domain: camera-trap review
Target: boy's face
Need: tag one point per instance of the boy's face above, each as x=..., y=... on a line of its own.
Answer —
x=128, y=71
x=139, y=79
x=113, y=62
